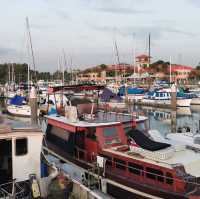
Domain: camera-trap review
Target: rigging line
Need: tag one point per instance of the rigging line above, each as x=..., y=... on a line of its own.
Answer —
x=31, y=45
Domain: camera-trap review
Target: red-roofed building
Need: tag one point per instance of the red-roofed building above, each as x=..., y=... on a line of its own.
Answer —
x=143, y=61
x=180, y=72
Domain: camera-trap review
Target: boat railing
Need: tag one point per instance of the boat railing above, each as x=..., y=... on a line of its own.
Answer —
x=14, y=189
x=82, y=154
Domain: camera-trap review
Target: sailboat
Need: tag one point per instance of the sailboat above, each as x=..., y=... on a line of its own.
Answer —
x=18, y=106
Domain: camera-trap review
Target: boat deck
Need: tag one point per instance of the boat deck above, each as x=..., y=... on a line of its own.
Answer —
x=188, y=158
x=101, y=119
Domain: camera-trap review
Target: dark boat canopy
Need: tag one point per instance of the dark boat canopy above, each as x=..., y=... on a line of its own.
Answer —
x=144, y=142
x=107, y=95
x=78, y=87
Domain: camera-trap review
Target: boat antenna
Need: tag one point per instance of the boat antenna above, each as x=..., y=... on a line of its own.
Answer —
x=31, y=45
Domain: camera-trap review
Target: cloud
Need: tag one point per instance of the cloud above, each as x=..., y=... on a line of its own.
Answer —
x=62, y=13
x=140, y=31
x=117, y=6
x=128, y=31
x=195, y=2
x=40, y=26
x=123, y=10
x=7, y=51
x=185, y=33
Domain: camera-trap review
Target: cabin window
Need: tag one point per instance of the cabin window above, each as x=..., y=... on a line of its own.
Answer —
x=61, y=133
x=21, y=146
x=110, y=132
x=169, y=178
x=91, y=133
x=135, y=168
x=154, y=174
x=120, y=164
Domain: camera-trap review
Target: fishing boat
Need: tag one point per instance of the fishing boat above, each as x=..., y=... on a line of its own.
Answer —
x=113, y=148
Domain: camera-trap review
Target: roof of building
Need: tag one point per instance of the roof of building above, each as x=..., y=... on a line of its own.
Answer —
x=143, y=56
x=177, y=67
x=119, y=67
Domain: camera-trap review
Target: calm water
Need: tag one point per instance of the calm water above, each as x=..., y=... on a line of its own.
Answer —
x=159, y=119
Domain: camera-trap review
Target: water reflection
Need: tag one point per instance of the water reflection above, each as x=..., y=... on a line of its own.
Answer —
x=161, y=119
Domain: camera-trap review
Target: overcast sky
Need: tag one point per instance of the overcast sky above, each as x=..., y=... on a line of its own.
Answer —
x=85, y=29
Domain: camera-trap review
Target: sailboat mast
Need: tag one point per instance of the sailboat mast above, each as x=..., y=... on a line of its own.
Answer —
x=9, y=74
x=31, y=45
x=71, y=70
x=149, y=49
x=170, y=70
x=134, y=56
x=65, y=64
x=118, y=61
x=28, y=78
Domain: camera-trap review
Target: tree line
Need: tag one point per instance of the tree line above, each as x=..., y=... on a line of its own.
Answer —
x=19, y=73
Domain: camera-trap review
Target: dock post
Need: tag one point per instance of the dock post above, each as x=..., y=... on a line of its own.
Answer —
x=173, y=106
x=34, y=107
x=173, y=97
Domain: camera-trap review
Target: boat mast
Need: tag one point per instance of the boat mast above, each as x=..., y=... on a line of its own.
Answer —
x=9, y=75
x=71, y=70
x=149, y=49
x=118, y=61
x=170, y=70
x=31, y=45
x=134, y=56
x=65, y=64
x=28, y=78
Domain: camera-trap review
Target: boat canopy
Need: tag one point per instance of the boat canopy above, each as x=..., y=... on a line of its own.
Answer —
x=146, y=143
x=131, y=90
x=17, y=100
x=78, y=87
x=107, y=95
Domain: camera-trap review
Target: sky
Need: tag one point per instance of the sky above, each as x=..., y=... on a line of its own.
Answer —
x=85, y=30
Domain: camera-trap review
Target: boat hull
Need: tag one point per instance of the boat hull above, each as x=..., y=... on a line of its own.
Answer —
x=117, y=185
x=195, y=101
x=179, y=102
x=184, y=102
x=20, y=111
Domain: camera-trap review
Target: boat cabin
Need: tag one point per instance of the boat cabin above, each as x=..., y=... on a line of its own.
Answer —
x=20, y=151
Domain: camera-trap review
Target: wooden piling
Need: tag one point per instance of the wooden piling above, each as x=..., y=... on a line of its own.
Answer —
x=173, y=97
x=173, y=105
x=34, y=106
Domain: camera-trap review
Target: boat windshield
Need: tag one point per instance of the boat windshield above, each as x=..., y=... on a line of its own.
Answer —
x=143, y=126
x=111, y=135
